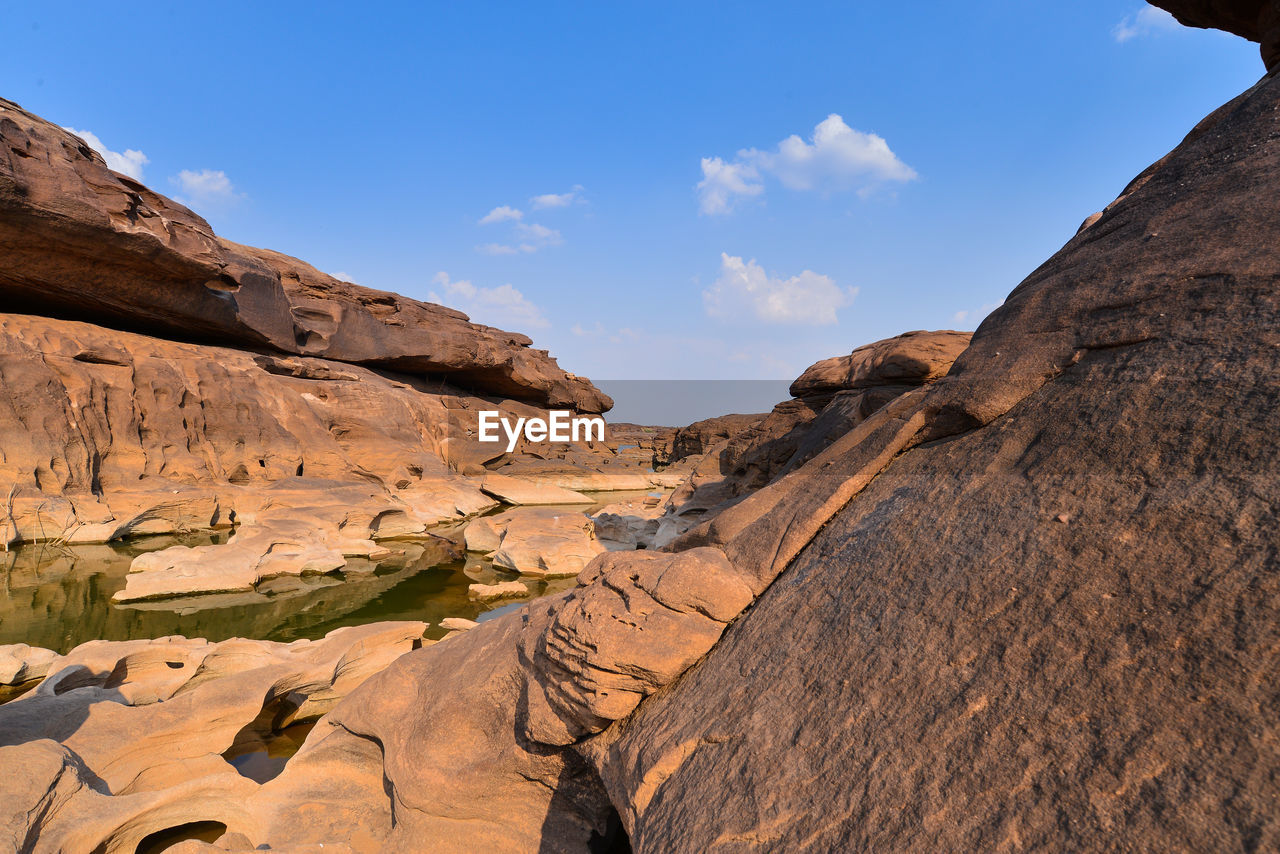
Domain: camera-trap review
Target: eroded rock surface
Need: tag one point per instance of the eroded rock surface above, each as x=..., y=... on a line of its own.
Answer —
x=124, y=739
x=542, y=542
x=1031, y=605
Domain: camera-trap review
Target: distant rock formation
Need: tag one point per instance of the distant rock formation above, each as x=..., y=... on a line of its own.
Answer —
x=741, y=454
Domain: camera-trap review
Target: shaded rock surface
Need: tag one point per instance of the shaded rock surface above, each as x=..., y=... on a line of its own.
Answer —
x=700, y=437
x=909, y=359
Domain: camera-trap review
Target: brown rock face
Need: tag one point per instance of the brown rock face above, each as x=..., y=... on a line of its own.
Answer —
x=700, y=437
x=1034, y=604
x=78, y=240
x=1255, y=20
x=909, y=359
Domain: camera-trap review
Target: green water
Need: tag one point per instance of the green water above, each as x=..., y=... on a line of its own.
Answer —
x=60, y=597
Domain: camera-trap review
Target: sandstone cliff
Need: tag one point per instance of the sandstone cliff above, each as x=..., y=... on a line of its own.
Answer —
x=82, y=242
x=155, y=378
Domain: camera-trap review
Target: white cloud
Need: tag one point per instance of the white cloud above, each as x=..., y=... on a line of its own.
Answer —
x=745, y=289
x=501, y=214
x=538, y=235
x=837, y=158
x=503, y=306
x=528, y=237
x=594, y=332
x=129, y=163
x=343, y=277
x=722, y=182
x=204, y=188
x=1146, y=21
x=556, y=200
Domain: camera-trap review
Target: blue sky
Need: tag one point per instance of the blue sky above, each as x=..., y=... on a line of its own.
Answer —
x=941, y=151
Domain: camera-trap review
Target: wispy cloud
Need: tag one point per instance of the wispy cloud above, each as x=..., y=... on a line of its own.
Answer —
x=1147, y=21
x=529, y=238
x=497, y=249
x=130, y=162
x=206, y=188
x=502, y=306
x=556, y=200
x=744, y=290
x=539, y=235
x=501, y=214
x=836, y=158
x=343, y=277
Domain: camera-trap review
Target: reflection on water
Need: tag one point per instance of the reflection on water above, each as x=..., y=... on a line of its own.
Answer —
x=60, y=596
x=263, y=757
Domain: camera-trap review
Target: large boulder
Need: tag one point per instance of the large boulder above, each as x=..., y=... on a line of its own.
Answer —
x=1035, y=604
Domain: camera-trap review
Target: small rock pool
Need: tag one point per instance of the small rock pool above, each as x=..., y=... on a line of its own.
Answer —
x=60, y=596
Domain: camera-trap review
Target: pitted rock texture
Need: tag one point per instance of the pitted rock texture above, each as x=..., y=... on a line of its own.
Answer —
x=78, y=240
x=636, y=621
x=1032, y=605
x=125, y=739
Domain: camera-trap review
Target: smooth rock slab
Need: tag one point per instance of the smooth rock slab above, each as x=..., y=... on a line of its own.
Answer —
x=514, y=490
x=494, y=592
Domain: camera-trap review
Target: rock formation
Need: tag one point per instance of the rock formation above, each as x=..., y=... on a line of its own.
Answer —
x=1032, y=605
x=541, y=542
x=741, y=454
x=157, y=379
x=110, y=730
x=81, y=241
